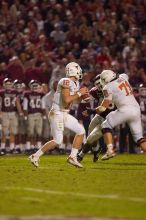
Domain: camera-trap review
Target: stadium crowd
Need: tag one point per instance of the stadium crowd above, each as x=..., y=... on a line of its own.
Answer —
x=38, y=38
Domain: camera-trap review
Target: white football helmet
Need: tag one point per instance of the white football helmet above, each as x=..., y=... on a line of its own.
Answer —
x=18, y=85
x=107, y=76
x=73, y=69
x=7, y=83
x=34, y=85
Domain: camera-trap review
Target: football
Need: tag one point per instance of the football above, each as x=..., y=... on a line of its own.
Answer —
x=85, y=97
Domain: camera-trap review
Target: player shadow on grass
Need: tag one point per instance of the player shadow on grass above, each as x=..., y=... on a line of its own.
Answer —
x=112, y=168
x=124, y=163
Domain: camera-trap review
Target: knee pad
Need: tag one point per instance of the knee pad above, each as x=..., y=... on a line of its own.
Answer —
x=140, y=141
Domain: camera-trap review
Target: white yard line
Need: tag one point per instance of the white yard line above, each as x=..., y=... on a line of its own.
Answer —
x=76, y=194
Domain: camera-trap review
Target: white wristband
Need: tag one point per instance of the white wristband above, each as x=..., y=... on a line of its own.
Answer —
x=101, y=108
x=79, y=94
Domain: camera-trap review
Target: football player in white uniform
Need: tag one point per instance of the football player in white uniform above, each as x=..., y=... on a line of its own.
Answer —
x=118, y=90
x=67, y=92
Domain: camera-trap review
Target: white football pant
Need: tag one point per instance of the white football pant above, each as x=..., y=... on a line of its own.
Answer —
x=130, y=115
x=60, y=120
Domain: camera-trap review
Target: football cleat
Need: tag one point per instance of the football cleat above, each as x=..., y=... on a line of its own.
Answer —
x=2, y=152
x=34, y=160
x=95, y=156
x=73, y=161
x=79, y=158
x=108, y=155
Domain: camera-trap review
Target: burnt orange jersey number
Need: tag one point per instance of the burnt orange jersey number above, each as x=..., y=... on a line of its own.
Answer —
x=124, y=86
x=66, y=83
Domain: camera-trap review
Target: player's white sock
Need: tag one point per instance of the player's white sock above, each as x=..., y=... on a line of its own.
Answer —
x=62, y=146
x=39, y=153
x=74, y=152
x=28, y=145
x=23, y=147
x=110, y=147
x=3, y=145
x=12, y=146
x=32, y=147
x=39, y=144
x=69, y=146
x=17, y=147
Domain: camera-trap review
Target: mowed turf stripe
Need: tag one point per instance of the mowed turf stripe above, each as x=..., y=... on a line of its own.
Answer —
x=56, y=218
x=87, y=195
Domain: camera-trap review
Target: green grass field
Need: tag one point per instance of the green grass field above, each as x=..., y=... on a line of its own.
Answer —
x=114, y=188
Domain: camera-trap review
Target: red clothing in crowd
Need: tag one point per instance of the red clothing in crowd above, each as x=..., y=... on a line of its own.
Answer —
x=35, y=73
x=15, y=71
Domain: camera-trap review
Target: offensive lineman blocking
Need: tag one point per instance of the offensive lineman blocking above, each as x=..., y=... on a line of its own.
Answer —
x=118, y=90
x=67, y=92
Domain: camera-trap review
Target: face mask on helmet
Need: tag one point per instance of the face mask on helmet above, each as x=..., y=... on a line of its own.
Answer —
x=7, y=83
x=97, y=83
x=18, y=85
x=73, y=69
x=107, y=76
x=142, y=90
x=34, y=85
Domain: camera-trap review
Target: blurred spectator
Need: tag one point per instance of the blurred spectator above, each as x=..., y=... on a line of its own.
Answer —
x=33, y=73
x=57, y=34
x=15, y=69
x=103, y=55
x=3, y=72
x=78, y=31
x=58, y=71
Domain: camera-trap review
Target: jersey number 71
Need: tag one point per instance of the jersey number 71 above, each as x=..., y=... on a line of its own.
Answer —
x=124, y=86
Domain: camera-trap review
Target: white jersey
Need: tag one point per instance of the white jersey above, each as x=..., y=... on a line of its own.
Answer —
x=58, y=102
x=120, y=92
